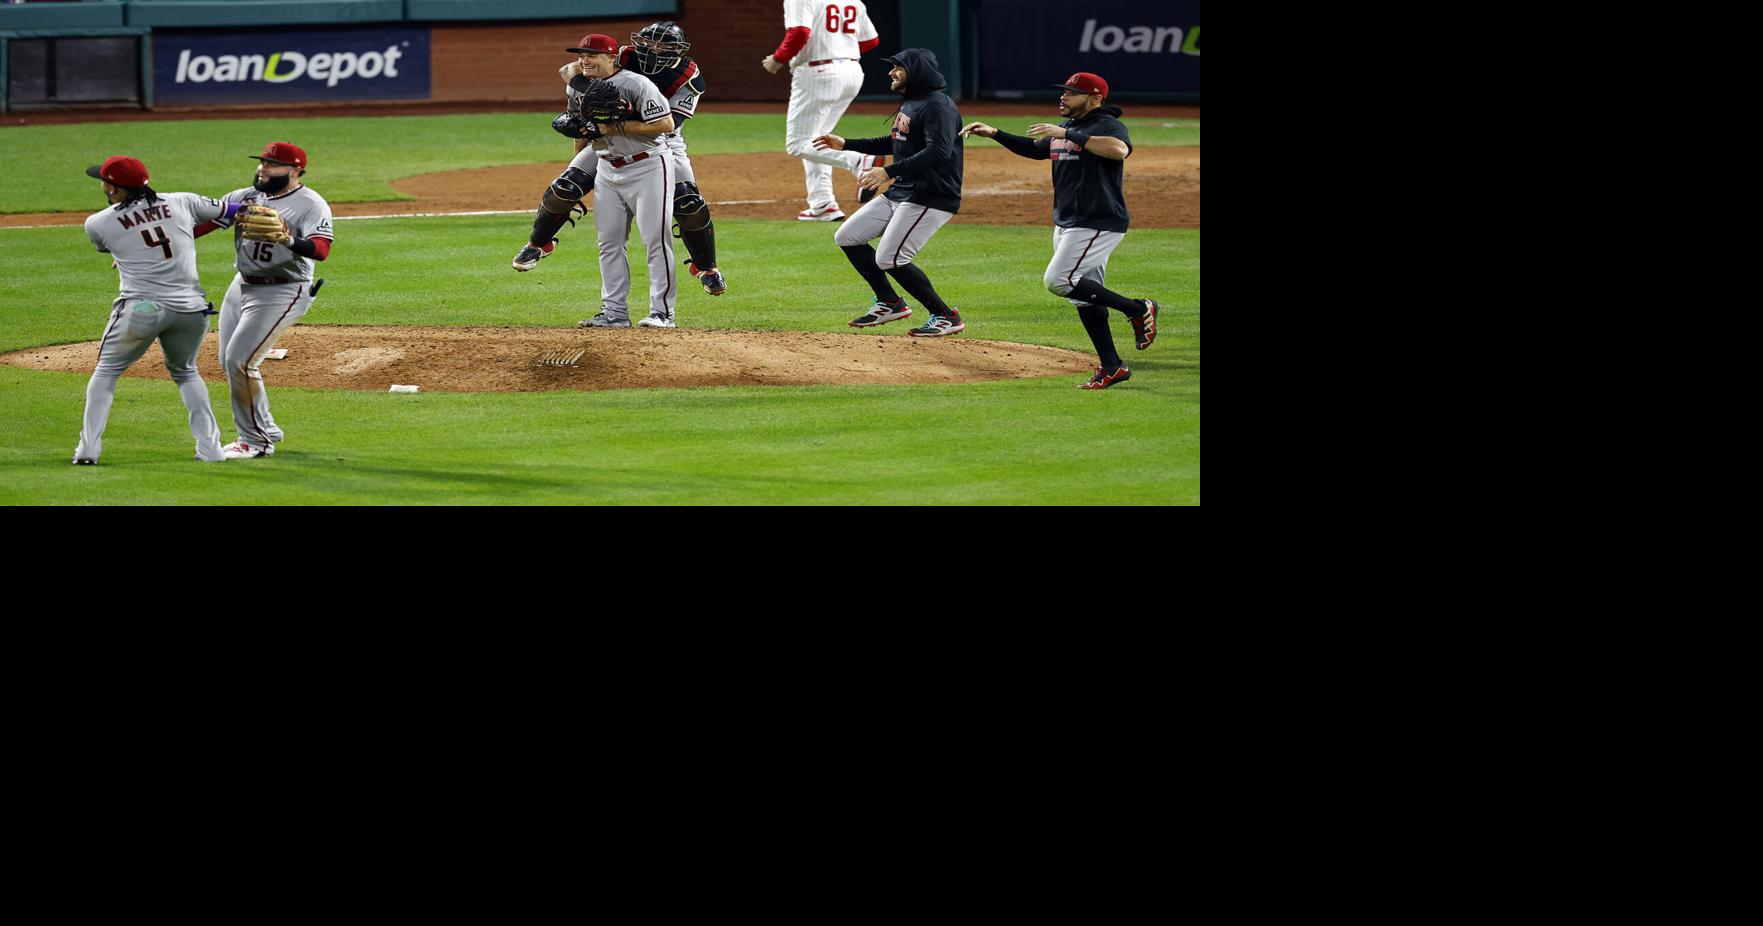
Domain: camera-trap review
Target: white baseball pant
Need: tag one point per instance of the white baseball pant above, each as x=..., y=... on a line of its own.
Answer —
x=818, y=98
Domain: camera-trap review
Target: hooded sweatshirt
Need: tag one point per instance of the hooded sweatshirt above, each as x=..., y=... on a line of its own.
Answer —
x=1086, y=187
x=925, y=146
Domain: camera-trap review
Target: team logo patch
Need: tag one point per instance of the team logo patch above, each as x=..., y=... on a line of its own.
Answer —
x=652, y=108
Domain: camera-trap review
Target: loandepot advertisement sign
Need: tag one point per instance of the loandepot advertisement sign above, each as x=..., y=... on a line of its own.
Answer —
x=1148, y=50
x=289, y=67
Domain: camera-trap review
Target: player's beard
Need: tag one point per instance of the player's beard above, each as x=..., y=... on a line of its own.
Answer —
x=271, y=184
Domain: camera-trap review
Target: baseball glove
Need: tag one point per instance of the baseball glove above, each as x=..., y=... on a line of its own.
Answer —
x=600, y=101
x=570, y=125
x=262, y=223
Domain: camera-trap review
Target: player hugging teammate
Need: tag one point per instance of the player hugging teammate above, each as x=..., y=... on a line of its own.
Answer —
x=658, y=53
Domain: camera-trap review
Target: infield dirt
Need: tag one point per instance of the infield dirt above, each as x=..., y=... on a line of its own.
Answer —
x=373, y=357
x=999, y=188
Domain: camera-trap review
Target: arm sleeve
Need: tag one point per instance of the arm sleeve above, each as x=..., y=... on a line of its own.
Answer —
x=867, y=37
x=236, y=197
x=685, y=99
x=882, y=145
x=203, y=209
x=1033, y=148
x=323, y=228
x=939, y=144
x=92, y=236
x=650, y=105
x=795, y=38
x=868, y=46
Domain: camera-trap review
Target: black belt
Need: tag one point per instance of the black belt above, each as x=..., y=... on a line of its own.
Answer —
x=266, y=281
x=815, y=64
x=620, y=162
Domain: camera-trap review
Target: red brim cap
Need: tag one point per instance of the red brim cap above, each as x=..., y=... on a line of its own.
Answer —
x=596, y=43
x=281, y=152
x=120, y=171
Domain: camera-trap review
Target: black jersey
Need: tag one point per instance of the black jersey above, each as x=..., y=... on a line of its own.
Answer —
x=1086, y=187
x=925, y=143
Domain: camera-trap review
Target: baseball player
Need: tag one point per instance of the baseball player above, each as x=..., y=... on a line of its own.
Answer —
x=822, y=40
x=282, y=227
x=625, y=120
x=151, y=237
x=926, y=194
x=658, y=53
x=1088, y=151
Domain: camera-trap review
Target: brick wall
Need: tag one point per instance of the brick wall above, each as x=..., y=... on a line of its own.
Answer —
x=518, y=62
x=728, y=39
x=481, y=63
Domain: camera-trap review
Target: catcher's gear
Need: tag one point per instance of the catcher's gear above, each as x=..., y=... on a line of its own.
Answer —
x=600, y=101
x=659, y=46
x=263, y=223
x=570, y=125
x=691, y=215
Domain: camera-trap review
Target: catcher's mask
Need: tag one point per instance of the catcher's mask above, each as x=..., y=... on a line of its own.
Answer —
x=658, y=46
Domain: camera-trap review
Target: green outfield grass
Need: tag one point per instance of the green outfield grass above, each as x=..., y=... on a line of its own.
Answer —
x=1038, y=441
x=353, y=159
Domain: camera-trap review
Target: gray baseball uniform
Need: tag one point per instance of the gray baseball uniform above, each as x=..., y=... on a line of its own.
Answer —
x=160, y=297
x=903, y=228
x=635, y=181
x=683, y=105
x=270, y=293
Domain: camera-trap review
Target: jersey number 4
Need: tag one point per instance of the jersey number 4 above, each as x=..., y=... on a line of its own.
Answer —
x=841, y=19
x=163, y=243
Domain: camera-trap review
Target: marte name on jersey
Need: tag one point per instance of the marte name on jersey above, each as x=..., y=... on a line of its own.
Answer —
x=158, y=213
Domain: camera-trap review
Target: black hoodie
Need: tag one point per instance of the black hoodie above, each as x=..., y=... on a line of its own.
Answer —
x=925, y=143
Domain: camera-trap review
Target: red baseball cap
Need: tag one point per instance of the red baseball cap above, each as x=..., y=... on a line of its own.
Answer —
x=596, y=43
x=1085, y=82
x=281, y=152
x=120, y=171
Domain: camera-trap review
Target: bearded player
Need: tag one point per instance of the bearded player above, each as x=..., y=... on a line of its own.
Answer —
x=283, y=227
x=658, y=53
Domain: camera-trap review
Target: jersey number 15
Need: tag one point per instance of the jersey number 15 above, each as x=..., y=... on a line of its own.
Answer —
x=841, y=19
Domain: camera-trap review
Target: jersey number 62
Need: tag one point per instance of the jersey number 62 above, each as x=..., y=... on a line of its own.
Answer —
x=841, y=19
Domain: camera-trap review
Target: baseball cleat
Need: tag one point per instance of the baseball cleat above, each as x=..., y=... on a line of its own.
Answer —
x=604, y=321
x=1105, y=378
x=829, y=214
x=880, y=160
x=84, y=461
x=657, y=320
x=240, y=450
x=529, y=256
x=1144, y=328
x=881, y=313
x=714, y=282
x=939, y=325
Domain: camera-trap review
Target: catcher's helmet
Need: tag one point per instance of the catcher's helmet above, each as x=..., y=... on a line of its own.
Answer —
x=659, y=46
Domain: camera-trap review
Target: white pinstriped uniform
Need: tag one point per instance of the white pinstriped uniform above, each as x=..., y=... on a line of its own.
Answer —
x=819, y=94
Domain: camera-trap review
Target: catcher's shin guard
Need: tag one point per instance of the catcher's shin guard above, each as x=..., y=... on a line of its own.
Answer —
x=691, y=216
x=562, y=199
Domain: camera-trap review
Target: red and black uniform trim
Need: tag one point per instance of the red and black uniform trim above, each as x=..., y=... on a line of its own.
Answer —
x=667, y=80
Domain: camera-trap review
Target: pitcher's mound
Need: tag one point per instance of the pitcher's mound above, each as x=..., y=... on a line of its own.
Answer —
x=374, y=357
